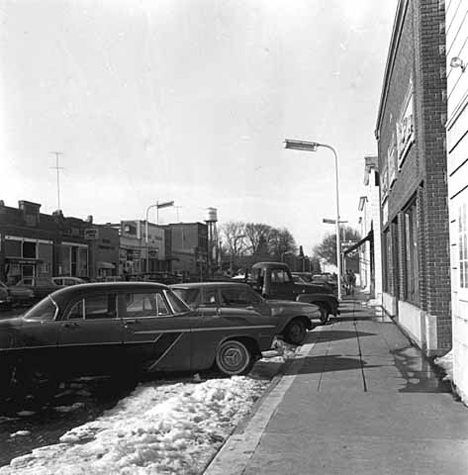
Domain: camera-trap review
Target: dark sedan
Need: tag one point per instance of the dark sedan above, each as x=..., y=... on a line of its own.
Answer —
x=16, y=294
x=41, y=286
x=125, y=328
x=292, y=319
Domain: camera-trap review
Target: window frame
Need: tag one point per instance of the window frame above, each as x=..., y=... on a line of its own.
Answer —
x=83, y=317
x=123, y=305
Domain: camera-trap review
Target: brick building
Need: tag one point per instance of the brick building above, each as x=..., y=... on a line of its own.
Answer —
x=189, y=248
x=411, y=148
x=370, y=255
x=33, y=244
x=457, y=169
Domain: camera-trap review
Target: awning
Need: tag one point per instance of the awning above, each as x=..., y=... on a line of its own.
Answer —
x=105, y=265
x=369, y=237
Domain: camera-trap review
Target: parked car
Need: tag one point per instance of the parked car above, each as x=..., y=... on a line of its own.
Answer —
x=17, y=295
x=305, y=276
x=5, y=297
x=67, y=280
x=292, y=319
x=273, y=280
x=125, y=328
x=41, y=286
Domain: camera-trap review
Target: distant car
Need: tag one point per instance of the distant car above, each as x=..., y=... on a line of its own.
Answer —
x=298, y=279
x=327, y=280
x=291, y=319
x=125, y=328
x=17, y=295
x=41, y=286
x=5, y=297
x=67, y=280
x=305, y=276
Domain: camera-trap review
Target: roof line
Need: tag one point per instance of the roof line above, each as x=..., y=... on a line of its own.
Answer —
x=394, y=42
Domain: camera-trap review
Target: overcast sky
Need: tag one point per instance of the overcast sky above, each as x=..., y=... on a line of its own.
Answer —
x=190, y=100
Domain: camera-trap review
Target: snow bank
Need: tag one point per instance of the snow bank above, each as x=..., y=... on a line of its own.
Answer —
x=159, y=428
x=446, y=363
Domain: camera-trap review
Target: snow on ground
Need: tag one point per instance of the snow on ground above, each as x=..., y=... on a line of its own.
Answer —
x=160, y=428
x=446, y=363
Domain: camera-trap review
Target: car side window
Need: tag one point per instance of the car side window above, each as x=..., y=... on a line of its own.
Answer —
x=279, y=276
x=145, y=305
x=163, y=309
x=236, y=296
x=94, y=307
x=140, y=305
x=209, y=297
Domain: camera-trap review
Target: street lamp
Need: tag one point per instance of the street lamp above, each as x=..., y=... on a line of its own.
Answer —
x=312, y=147
x=158, y=206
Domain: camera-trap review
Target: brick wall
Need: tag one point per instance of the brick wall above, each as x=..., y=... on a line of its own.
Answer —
x=418, y=65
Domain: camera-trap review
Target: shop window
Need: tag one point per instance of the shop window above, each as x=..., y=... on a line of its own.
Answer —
x=13, y=248
x=411, y=254
x=29, y=249
x=386, y=253
x=463, y=246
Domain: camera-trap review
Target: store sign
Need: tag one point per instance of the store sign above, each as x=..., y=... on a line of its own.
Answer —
x=384, y=183
x=91, y=234
x=385, y=213
x=405, y=128
x=391, y=164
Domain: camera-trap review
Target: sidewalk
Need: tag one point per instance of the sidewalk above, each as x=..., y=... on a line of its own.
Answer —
x=358, y=399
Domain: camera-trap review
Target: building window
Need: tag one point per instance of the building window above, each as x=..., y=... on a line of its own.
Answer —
x=387, y=252
x=411, y=254
x=29, y=249
x=463, y=246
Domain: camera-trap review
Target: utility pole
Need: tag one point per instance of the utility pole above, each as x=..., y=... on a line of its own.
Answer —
x=57, y=168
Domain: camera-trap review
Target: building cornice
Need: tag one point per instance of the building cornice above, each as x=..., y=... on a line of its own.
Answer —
x=393, y=48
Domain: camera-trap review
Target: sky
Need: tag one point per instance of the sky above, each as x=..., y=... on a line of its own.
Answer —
x=189, y=101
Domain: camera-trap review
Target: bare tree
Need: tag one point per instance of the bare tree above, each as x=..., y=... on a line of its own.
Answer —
x=235, y=240
x=281, y=242
x=258, y=236
x=327, y=248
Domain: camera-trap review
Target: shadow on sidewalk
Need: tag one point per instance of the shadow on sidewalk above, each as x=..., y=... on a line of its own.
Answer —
x=334, y=335
x=328, y=363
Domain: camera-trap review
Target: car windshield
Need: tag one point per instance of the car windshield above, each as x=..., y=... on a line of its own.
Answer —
x=44, y=310
x=189, y=296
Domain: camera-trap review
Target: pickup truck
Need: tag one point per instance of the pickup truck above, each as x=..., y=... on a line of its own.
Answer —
x=273, y=280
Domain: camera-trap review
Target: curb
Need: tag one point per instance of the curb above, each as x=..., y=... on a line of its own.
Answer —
x=233, y=457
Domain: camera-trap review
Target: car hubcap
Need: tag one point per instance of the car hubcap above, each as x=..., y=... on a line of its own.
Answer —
x=233, y=357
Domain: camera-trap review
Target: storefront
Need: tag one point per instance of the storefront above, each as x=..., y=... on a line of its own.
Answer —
x=27, y=257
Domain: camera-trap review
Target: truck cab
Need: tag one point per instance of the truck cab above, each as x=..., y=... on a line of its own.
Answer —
x=273, y=280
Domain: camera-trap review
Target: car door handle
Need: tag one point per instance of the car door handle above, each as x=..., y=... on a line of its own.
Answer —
x=129, y=323
x=250, y=307
x=70, y=325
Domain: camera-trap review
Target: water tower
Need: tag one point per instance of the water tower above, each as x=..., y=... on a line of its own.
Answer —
x=211, y=218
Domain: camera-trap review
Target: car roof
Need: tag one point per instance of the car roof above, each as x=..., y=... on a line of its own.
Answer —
x=197, y=285
x=66, y=293
x=269, y=264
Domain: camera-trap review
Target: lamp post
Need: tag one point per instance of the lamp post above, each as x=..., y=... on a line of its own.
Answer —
x=312, y=147
x=158, y=206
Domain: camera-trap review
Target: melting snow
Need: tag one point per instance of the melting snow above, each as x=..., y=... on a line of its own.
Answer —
x=160, y=428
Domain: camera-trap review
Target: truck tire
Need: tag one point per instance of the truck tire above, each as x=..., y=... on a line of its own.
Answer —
x=295, y=332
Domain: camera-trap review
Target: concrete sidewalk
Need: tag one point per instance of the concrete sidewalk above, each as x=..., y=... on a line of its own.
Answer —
x=358, y=399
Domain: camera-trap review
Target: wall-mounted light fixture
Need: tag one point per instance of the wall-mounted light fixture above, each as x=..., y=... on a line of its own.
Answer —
x=457, y=62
